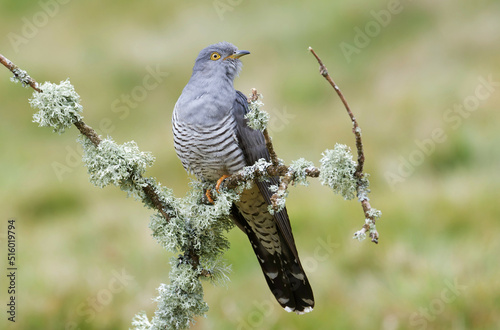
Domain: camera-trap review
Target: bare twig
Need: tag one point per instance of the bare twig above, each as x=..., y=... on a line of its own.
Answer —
x=359, y=146
x=312, y=172
x=88, y=132
x=355, y=128
x=254, y=97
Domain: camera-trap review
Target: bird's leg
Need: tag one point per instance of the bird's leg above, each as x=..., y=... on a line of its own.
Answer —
x=208, y=193
x=219, y=182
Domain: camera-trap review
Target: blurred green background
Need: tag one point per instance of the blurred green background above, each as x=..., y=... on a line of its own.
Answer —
x=415, y=74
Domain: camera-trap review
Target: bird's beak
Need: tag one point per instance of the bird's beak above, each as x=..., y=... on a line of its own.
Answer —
x=238, y=54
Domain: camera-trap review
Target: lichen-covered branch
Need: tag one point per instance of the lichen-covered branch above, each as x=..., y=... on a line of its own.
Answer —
x=70, y=100
x=258, y=120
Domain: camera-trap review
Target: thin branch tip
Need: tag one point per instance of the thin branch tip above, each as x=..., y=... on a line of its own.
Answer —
x=357, y=134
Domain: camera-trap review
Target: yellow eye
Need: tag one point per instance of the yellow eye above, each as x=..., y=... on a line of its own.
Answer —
x=214, y=56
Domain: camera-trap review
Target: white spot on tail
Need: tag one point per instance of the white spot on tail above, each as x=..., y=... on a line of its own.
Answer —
x=284, y=301
x=272, y=276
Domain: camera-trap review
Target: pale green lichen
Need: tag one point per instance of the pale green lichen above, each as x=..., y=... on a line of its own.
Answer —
x=141, y=321
x=360, y=235
x=363, y=187
x=374, y=214
x=207, y=223
x=299, y=169
x=219, y=271
x=337, y=171
x=59, y=106
x=165, y=195
x=112, y=163
x=257, y=171
x=256, y=117
x=196, y=227
x=280, y=201
x=178, y=302
x=20, y=76
x=297, y=173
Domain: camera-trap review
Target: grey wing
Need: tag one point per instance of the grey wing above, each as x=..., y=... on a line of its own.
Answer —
x=253, y=144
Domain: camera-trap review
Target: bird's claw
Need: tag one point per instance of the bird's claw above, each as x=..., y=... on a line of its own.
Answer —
x=208, y=195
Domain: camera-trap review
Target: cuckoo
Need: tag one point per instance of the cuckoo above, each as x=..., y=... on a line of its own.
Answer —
x=212, y=140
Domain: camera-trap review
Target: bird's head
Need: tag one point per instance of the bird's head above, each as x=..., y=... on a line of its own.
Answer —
x=219, y=59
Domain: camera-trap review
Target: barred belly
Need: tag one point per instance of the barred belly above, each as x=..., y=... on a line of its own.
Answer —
x=209, y=151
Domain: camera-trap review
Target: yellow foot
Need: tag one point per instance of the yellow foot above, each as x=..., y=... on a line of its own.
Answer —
x=209, y=196
x=208, y=193
x=219, y=182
